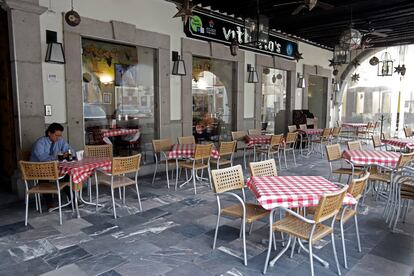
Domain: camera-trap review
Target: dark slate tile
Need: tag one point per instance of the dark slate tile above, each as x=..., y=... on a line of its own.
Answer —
x=97, y=219
x=66, y=256
x=32, y=250
x=189, y=230
x=372, y=265
x=11, y=229
x=110, y=273
x=32, y=267
x=105, y=228
x=154, y=213
x=6, y=258
x=225, y=233
x=143, y=267
x=396, y=247
x=100, y=263
x=128, y=221
x=188, y=269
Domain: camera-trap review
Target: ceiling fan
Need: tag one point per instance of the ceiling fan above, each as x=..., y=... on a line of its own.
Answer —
x=306, y=4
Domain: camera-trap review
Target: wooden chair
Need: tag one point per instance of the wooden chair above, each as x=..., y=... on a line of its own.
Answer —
x=185, y=140
x=303, y=127
x=404, y=187
x=254, y=132
x=292, y=128
x=354, y=145
x=365, y=132
x=116, y=179
x=408, y=132
x=324, y=139
x=311, y=230
x=226, y=151
x=263, y=168
x=225, y=182
x=376, y=142
x=48, y=171
x=289, y=145
x=334, y=155
x=335, y=135
x=240, y=137
x=160, y=148
x=386, y=135
x=356, y=189
x=199, y=161
x=273, y=148
x=98, y=151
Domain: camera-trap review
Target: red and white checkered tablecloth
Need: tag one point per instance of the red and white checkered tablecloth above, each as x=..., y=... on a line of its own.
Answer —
x=311, y=131
x=253, y=140
x=354, y=125
x=118, y=132
x=372, y=157
x=292, y=191
x=81, y=170
x=187, y=151
x=400, y=143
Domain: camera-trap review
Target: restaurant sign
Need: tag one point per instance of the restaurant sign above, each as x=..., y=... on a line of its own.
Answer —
x=212, y=28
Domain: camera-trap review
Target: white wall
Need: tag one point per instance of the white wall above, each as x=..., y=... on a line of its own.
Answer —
x=152, y=15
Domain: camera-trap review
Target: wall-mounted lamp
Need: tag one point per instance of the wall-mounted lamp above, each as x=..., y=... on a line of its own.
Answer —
x=54, y=52
x=301, y=81
x=234, y=46
x=252, y=78
x=178, y=65
x=335, y=86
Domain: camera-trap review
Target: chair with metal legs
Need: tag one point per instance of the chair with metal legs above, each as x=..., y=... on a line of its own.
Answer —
x=240, y=138
x=310, y=230
x=354, y=145
x=117, y=177
x=225, y=183
x=255, y=132
x=334, y=155
x=289, y=145
x=272, y=149
x=185, y=140
x=226, y=153
x=404, y=194
x=47, y=171
x=356, y=189
x=160, y=148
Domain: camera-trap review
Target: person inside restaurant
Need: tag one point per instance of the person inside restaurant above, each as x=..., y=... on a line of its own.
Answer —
x=51, y=147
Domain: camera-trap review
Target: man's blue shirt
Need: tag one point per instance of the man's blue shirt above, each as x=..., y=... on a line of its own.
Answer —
x=42, y=151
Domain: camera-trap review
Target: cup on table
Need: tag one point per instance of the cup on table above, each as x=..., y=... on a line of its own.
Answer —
x=60, y=156
x=79, y=155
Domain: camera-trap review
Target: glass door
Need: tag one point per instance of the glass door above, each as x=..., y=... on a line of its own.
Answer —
x=274, y=116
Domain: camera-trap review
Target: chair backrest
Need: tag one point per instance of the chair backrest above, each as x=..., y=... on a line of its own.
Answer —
x=303, y=127
x=98, y=151
x=161, y=145
x=329, y=205
x=202, y=151
x=291, y=137
x=255, y=132
x=408, y=132
x=238, y=135
x=404, y=159
x=357, y=186
x=386, y=135
x=275, y=141
x=263, y=168
x=376, y=141
x=336, y=131
x=377, y=124
x=129, y=164
x=227, y=179
x=185, y=140
x=39, y=170
x=292, y=128
x=227, y=148
x=333, y=152
x=325, y=133
x=354, y=145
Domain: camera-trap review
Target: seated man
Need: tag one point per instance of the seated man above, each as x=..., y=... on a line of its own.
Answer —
x=47, y=147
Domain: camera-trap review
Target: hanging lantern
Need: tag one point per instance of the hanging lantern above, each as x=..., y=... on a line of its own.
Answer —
x=257, y=29
x=385, y=66
x=350, y=39
x=341, y=56
x=234, y=46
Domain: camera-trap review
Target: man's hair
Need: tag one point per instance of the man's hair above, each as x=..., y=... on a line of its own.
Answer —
x=53, y=127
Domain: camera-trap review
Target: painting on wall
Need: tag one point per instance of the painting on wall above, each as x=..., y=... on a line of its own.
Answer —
x=107, y=98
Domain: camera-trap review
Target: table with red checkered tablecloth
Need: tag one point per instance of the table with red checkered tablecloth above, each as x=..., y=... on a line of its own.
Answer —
x=254, y=140
x=292, y=191
x=187, y=151
x=354, y=125
x=372, y=157
x=81, y=170
x=400, y=143
x=118, y=132
x=311, y=131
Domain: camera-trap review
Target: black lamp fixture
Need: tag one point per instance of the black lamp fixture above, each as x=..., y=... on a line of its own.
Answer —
x=257, y=29
x=54, y=52
x=385, y=65
x=301, y=81
x=252, y=78
x=341, y=56
x=178, y=65
x=234, y=47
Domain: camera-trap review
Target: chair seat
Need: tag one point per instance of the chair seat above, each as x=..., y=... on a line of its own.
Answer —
x=119, y=181
x=357, y=172
x=197, y=166
x=349, y=213
x=253, y=211
x=298, y=228
x=47, y=188
x=377, y=176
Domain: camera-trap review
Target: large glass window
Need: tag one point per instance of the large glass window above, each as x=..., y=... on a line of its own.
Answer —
x=212, y=89
x=373, y=96
x=118, y=91
x=274, y=119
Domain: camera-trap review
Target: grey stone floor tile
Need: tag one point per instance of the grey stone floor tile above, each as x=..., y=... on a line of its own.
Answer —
x=66, y=256
x=371, y=265
x=396, y=247
x=31, y=267
x=10, y=229
x=143, y=267
x=100, y=263
x=32, y=250
x=72, y=226
x=66, y=270
x=63, y=241
x=188, y=269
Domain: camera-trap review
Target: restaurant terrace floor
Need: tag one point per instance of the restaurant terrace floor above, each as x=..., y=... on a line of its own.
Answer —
x=173, y=235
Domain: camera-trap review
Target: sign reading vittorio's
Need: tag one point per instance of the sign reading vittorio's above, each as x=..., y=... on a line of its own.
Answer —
x=209, y=27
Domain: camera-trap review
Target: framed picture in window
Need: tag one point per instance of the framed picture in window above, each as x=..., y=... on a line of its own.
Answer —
x=106, y=98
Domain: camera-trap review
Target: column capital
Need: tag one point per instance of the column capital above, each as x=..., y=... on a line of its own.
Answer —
x=25, y=6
